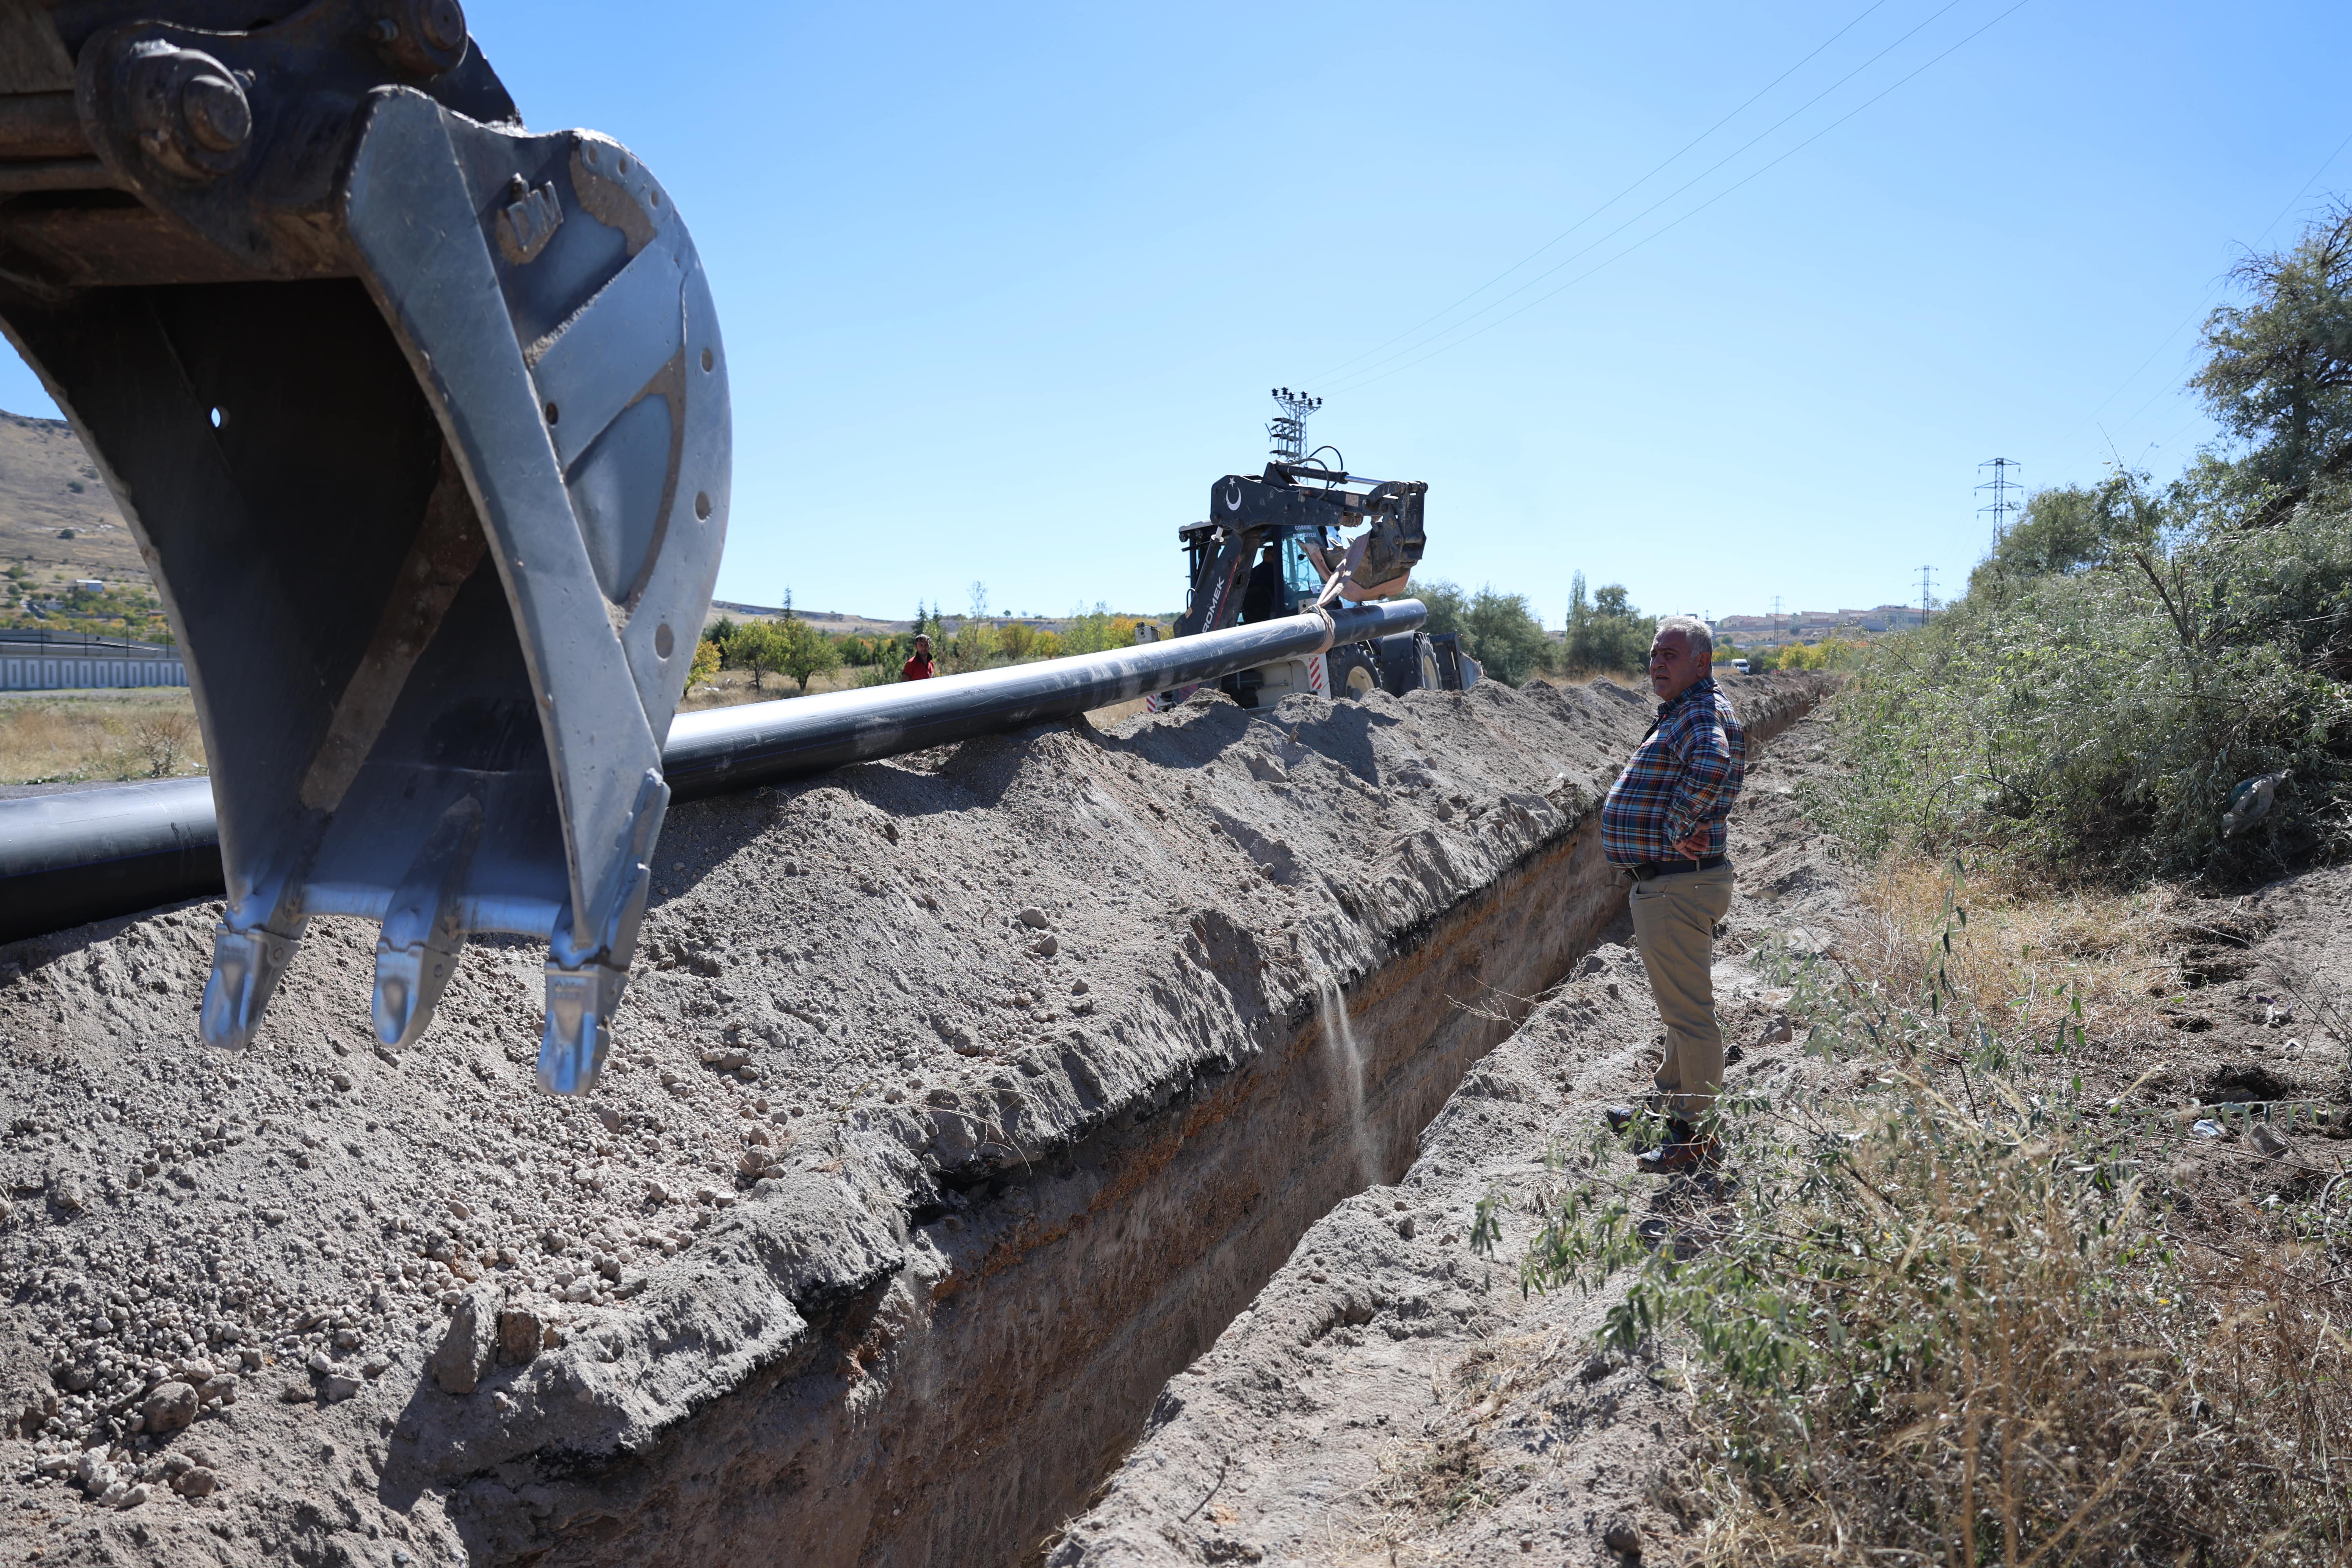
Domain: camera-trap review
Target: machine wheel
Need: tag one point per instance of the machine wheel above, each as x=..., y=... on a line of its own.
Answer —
x=1408, y=663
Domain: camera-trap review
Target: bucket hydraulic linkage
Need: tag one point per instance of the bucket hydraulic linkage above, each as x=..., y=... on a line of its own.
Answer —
x=421, y=421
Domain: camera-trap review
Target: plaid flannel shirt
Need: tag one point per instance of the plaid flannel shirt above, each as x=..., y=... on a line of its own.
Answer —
x=1685, y=773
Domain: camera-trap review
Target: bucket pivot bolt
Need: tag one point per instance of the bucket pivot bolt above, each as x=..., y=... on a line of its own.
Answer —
x=190, y=110
x=423, y=37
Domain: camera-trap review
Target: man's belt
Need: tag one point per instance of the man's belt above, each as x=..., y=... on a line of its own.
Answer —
x=1649, y=868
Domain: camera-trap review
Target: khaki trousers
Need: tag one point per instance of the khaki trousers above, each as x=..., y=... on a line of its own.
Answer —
x=1674, y=922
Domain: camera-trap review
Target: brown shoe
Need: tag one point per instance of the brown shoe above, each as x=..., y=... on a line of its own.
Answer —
x=1682, y=1157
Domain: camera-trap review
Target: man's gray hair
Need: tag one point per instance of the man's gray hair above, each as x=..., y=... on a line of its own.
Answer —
x=1702, y=640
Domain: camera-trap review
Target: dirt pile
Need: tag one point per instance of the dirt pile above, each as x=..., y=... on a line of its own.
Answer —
x=960, y=1100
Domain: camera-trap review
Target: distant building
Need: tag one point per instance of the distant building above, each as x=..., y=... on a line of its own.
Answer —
x=1812, y=625
x=90, y=584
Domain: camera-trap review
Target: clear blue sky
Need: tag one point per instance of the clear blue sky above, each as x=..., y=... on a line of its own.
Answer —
x=1003, y=288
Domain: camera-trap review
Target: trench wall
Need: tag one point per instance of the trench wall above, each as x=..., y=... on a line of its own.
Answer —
x=1009, y=1364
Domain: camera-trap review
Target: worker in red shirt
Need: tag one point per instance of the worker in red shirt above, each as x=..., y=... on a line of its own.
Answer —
x=919, y=668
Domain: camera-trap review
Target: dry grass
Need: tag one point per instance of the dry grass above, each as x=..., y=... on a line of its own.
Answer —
x=2038, y=959
x=50, y=739
x=1949, y=1313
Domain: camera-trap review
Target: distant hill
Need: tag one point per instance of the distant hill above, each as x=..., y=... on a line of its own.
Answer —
x=47, y=484
x=42, y=463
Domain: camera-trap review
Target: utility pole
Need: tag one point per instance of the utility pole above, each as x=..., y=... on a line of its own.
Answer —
x=2000, y=484
x=1776, y=618
x=1287, y=429
x=1927, y=587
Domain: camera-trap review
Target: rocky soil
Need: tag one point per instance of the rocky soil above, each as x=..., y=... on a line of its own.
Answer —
x=321, y=1303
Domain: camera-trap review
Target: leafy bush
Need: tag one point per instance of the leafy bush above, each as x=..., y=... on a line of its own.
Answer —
x=1095, y=630
x=1088, y=631
x=973, y=646
x=2098, y=721
x=705, y=667
x=1018, y=640
x=1830, y=653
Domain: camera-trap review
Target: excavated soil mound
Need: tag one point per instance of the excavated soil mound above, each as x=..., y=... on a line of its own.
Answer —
x=959, y=1101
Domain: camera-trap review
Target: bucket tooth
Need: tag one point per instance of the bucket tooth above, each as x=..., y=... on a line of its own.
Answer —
x=579, y=1034
x=245, y=969
x=423, y=930
x=585, y=975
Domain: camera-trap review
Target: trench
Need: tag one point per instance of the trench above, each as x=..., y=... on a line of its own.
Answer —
x=999, y=1377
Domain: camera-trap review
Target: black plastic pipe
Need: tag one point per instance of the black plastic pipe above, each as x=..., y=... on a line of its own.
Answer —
x=87, y=855
x=84, y=855
x=721, y=749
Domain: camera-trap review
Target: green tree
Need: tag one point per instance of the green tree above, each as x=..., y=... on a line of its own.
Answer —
x=758, y=646
x=1607, y=632
x=2126, y=657
x=2280, y=374
x=2071, y=528
x=1500, y=630
x=805, y=652
x=1505, y=635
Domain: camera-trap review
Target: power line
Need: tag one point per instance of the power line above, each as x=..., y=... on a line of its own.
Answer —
x=1628, y=190
x=2199, y=310
x=1670, y=195
x=1366, y=380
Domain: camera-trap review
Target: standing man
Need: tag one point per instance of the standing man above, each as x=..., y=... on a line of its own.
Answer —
x=1663, y=823
x=919, y=666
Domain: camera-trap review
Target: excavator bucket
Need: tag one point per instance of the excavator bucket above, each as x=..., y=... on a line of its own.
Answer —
x=421, y=421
